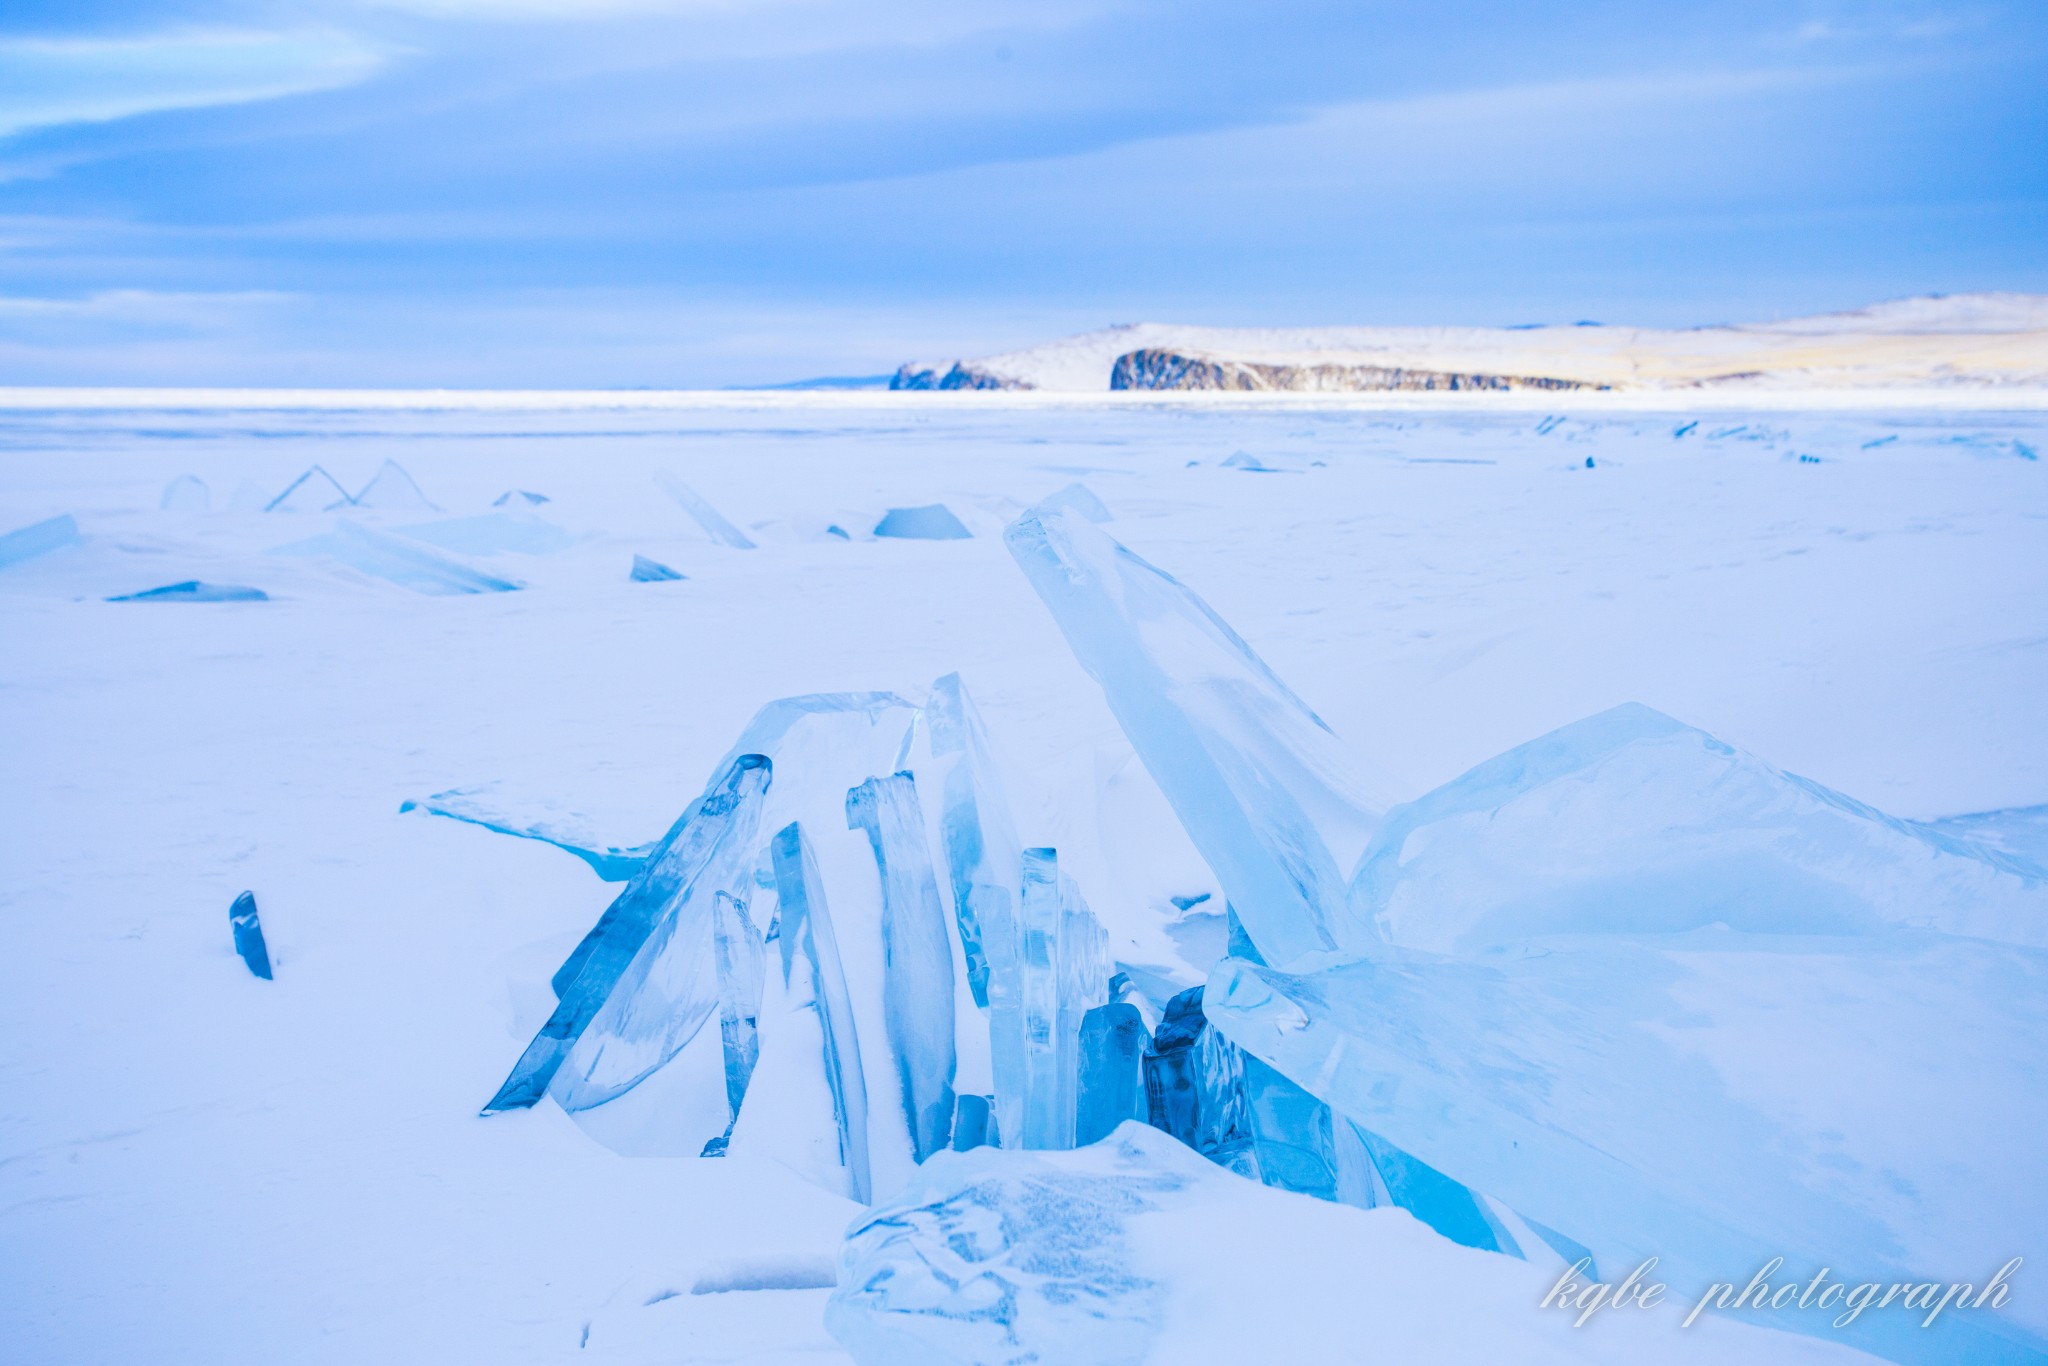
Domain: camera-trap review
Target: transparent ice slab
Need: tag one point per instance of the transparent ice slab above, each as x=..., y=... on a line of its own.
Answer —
x=1268, y=794
x=490, y=807
x=931, y=522
x=1063, y=969
x=917, y=986
x=315, y=490
x=37, y=538
x=399, y=561
x=736, y=948
x=393, y=490
x=706, y=516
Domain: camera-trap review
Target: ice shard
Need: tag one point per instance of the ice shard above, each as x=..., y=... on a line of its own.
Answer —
x=630, y=941
x=652, y=571
x=931, y=522
x=193, y=590
x=1063, y=971
x=983, y=857
x=392, y=489
x=519, y=498
x=1194, y=1087
x=186, y=493
x=973, y=1123
x=1715, y=1099
x=37, y=538
x=1630, y=821
x=1079, y=498
x=737, y=949
x=1112, y=1081
x=248, y=929
x=313, y=491
x=917, y=985
x=706, y=516
x=1269, y=795
x=493, y=533
x=398, y=561
x=547, y=822
x=810, y=945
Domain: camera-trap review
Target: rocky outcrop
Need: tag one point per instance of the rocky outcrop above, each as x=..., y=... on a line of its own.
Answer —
x=1158, y=368
x=959, y=377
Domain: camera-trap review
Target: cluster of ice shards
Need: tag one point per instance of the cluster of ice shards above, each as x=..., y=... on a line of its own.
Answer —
x=704, y=515
x=194, y=590
x=931, y=522
x=37, y=538
x=315, y=490
x=397, y=560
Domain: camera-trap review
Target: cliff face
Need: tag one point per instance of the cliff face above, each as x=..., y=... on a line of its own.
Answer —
x=959, y=377
x=1159, y=368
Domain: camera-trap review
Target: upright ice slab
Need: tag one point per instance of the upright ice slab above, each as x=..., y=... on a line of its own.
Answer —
x=1267, y=793
x=1629, y=821
x=399, y=561
x=1063, y=972
x=394, y=490
x=248, y=930
x=315, y=490
x=37, y=538
x=931, y=522
x=1112, y=1081
x=633, y=938
x=1715, y=1099
x=810, y=949
x=917, y=985
x=737, y=949
x=706, y=516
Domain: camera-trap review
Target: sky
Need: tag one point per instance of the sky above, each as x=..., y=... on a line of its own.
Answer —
x=695, y=193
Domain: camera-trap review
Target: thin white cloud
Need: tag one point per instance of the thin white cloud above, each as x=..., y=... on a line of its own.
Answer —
x=44, y=82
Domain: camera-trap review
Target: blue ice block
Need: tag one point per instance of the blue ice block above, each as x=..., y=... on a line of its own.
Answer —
x=242, y=919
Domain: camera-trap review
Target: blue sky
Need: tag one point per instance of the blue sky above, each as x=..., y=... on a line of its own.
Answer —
x=692, y=192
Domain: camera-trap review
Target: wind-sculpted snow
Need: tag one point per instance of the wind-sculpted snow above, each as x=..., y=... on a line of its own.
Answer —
x=638, y=944
x=1630, y=821
x=1714, y=1099
x=1266, y=791
x=814, y=973
x=398, y=561
x=1006, y=1258
x=917, y=985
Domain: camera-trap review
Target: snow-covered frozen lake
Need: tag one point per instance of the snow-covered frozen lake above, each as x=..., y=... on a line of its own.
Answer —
x=199, y=1167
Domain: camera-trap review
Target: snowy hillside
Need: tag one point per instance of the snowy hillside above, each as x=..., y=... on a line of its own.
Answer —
x=1970, y=340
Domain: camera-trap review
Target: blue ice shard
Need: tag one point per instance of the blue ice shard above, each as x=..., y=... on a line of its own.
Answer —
x=917, y=983
x=398, y=561
x=737, y=950
x=392, y=489
x=1194, y=1087
x=1671, y=831
x=1063, y=971
x=248, y=930
x=565, y=830
x=37, y=538
x=983, y=857
x=1079, y=498
x=193, y=590
x=973, y=1123
x=313, y=491
x=186, y=493
x=931, y=522
x=1112, y=1082
x=706, y=516
x=1618, y=1089
x=519, y=498
x=1008, y=1258
x=1268, y=794
x=652, y=571
x=493, y=533
x=811, y=947
x=632, y=939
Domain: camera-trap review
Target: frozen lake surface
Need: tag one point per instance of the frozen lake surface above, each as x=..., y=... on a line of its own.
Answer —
x=196, y=1166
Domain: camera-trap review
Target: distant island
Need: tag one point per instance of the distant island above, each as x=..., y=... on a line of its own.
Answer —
x=1991, y=341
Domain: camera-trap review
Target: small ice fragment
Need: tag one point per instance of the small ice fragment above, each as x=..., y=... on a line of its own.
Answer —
x=642, y=913
x=313, y=491
x=391, y=488
x=192, y=590
x=1589, y=462
x=515, y=497
x=1188, y=903
x=398, y=561
x=917, y=981
x=493, y=533
x=1081, y=499
x=705, y=515
x=652, y=571
x=810, y=943
x=249, y=935
x=1239, y=460
x=37, y=538
x=932, y=522
x=186, y=493
x=836, y=530
x=1112, y=1081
